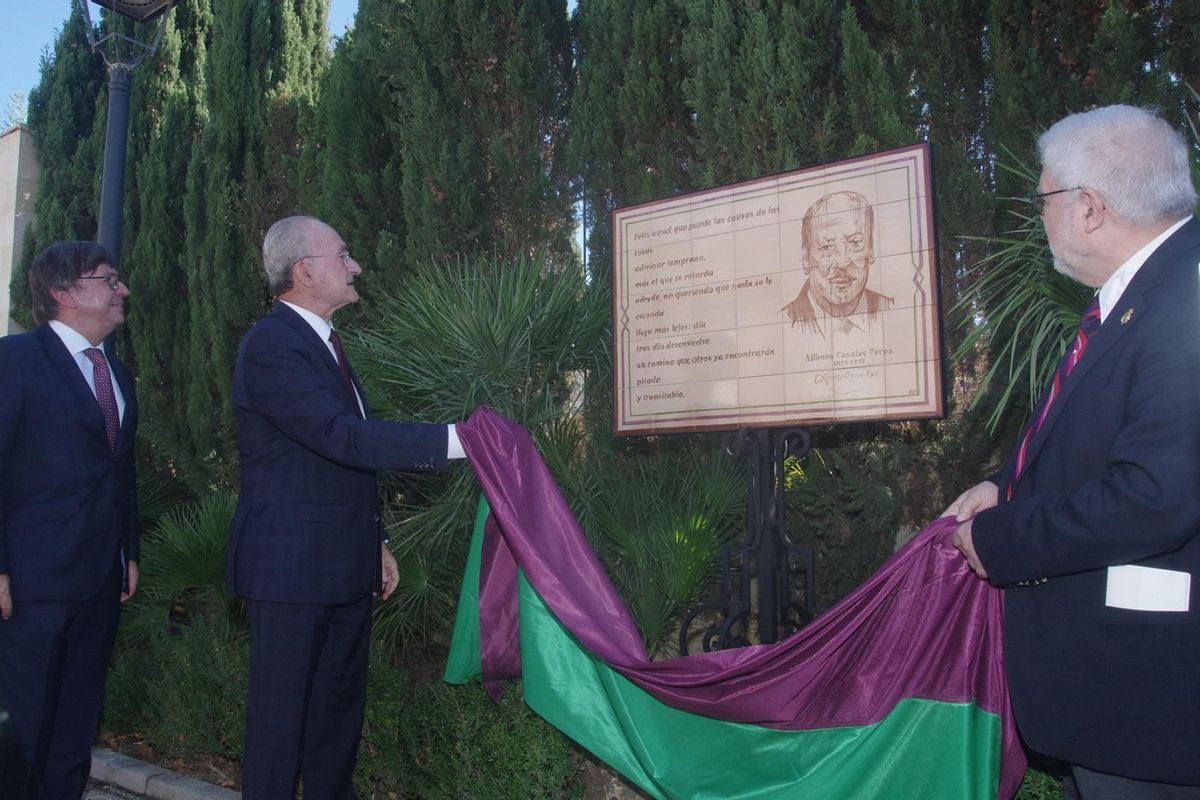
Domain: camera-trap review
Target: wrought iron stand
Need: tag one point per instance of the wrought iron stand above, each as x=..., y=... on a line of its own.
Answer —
x=766, y=547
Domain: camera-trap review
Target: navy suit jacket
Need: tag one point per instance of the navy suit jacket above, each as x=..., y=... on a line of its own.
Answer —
x=307, y=528
x=68, y=503
x=1112, y=478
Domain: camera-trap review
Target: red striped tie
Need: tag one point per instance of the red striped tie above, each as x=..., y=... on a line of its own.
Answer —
x=1088, y=325
x=104, y=394
x=343, y=362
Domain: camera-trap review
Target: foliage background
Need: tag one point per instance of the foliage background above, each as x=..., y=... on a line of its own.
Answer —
x=450, y=143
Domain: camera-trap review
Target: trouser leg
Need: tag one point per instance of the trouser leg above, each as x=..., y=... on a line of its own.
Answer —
x=333, y=723
x=1102, y=786
x=27, y=651
x=88, y=650
x=53, y=668
x=305, y=703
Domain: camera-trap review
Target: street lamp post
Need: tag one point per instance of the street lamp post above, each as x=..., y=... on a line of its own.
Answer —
x=121, y=54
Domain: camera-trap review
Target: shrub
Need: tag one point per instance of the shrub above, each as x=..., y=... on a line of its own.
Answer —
x=1040, y=786
x=843, y=503
x=192, y=700
x=420, y=740
x=516, y=333
x=430, y=741
x=182, y=569
x=659, y=524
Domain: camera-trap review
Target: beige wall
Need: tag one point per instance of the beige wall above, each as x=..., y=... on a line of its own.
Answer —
x=18, y=190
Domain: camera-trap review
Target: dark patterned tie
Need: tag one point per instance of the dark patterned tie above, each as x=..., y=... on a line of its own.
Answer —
x=104, y=394
x=343, y=362
x=1088, y=325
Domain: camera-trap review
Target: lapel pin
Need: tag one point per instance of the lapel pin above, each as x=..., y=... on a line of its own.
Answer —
x=1128, y=315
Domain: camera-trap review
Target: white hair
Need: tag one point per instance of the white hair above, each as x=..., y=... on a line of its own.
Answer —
x=1131, y=156
x=286, y=242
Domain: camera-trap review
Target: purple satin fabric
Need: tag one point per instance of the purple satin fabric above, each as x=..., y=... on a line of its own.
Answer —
x=922, y=627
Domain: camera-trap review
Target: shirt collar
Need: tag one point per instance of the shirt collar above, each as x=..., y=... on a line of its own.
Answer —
x=75, y=341
x=1115, y=286
x=319, y=325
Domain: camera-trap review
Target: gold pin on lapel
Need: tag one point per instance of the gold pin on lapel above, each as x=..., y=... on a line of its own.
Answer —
x=1128, y=315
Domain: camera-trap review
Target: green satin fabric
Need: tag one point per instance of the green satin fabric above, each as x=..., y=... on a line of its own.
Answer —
x=463, y=662
x=924, y=749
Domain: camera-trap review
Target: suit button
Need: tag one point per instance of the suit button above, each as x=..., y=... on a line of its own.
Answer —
x=375, y=518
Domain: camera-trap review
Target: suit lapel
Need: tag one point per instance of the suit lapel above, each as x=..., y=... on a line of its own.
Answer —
x=319, y=347
x=1103, y=340
x=1131, y=306
x=366, y=409
x=125, y=382
x=64, y=364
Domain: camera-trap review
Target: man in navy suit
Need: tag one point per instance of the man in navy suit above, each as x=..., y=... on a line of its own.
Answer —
x=1093, y=525
x=306, y=546
x=68, y=515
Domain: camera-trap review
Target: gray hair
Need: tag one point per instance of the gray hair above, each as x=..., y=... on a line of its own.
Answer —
x=1132, y=156
x=286, y=242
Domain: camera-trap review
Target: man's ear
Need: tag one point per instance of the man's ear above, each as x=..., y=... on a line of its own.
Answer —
x=64, y=298
x=301, y=275
x=1094, y=209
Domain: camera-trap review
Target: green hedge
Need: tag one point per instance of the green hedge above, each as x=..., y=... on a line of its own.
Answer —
x=184, y=694
x=430, y=741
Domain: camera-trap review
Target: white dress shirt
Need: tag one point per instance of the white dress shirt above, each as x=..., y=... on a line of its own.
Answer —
x=76, y=344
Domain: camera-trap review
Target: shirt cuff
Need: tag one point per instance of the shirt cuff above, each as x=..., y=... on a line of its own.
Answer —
x=454, y=448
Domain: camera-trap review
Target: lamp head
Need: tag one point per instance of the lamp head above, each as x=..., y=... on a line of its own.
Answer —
x=137, y=10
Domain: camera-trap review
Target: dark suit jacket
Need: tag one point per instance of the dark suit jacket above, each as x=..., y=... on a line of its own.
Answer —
x=68, y=504
x=1112, y=478
x=306, y=528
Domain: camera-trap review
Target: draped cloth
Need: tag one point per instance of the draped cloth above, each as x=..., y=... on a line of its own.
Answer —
x=898, y=691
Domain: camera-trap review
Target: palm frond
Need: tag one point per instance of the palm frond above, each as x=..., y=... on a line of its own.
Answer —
x=182, y=567
x=515, y=333
x=1019, y=309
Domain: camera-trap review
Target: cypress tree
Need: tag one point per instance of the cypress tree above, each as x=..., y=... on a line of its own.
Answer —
x=1177, y=30
x=484, y=87
x=296, y=38
x=1048, y=60
x=1122, y=43
x=631, y=129
x=167, y=113
x=354, y=160
x=941, y=45
x=777, y=86
x=877, y=111
x=68, y=134
x=241, y=176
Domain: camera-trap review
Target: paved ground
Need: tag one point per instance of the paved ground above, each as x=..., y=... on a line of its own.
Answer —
x=118, y=777
x=102, y=791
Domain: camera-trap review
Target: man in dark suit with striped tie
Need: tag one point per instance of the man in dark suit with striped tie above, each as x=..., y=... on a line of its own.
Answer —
x=68, y=516
x=306, y=547
x=1093, y=525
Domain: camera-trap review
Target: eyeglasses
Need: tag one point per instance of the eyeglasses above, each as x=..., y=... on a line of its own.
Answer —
x=344, y=256
x=113, y=279
x=1038, y=201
